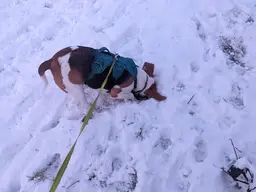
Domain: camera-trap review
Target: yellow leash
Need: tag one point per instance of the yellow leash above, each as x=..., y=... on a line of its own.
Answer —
x=87, y=118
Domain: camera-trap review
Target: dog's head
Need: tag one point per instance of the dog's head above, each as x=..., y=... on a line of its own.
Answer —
x=152, y=91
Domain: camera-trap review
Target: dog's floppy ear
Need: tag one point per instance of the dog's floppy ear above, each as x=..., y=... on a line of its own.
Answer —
x=152, y=92
x=149, y=68
x=157, y=96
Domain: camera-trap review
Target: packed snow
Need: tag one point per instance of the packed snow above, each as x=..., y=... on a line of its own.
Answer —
x=204, y=56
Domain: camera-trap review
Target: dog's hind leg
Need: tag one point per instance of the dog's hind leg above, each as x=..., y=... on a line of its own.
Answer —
x=78, y=103
x=79, y=95
x=124, y=90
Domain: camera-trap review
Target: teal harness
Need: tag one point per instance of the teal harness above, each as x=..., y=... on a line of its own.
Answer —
x=104, y=59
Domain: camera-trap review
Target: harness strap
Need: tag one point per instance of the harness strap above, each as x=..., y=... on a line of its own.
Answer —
x=137, y=93
x=115, y=56
x=145, y=85
x=106, y=50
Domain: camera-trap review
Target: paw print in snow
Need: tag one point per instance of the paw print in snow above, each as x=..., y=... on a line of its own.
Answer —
x=194, y=67
x=236, y=97
x=164, y=143
x=183, y=186
x=116, y=164
x=48, y=5
x=186, y=171
x=200, y=152
x=180, y=86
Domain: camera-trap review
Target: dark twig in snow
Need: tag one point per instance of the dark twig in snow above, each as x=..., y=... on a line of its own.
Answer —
x=234, y=148
x=225, y=100
x=73, y=184
x=238, y=150
x=191, y=99
x=217, y=166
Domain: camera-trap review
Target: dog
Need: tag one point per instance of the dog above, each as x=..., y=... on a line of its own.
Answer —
x=72, y=65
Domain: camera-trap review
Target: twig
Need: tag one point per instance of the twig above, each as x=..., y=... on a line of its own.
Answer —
x=238, y=150
x=191, y=99
x=234, y=148
x=73, y=184
x=217, y=166
x=225, y=100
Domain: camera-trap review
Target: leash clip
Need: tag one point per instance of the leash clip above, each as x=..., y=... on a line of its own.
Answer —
x=116, y=55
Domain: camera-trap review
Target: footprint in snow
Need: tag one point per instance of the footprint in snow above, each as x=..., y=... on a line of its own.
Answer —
x=194, y=67
x=180, y=86
x=200, y=30
x=54, y=123
x=186, y=171
x=163, y=143
x=113, y=134
x=197, y=128
x=236, y=97
x=100, y=150
x=48, y=5
x=55, y=118
x=200, y=152
x=116, y=164
x=183, y=186
x=106, y=178
x=226, y=122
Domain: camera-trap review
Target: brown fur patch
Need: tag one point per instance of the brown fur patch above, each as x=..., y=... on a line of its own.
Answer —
x=56, y=69
x=152, y=92
x=53, y=65
x=114, y=92
x=149, y=68
x=75, y=77
x=56, y=72
x=44, y=67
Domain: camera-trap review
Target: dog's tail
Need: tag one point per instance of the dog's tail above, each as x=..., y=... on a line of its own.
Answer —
x=44, y=67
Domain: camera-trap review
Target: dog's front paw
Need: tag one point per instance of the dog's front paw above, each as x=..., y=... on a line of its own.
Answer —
x=125, y=97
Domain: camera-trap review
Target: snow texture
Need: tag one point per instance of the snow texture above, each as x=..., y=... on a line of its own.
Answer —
x=204, y=56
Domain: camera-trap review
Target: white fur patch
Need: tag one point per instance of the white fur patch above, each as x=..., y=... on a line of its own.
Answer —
x=65, y=68
x=126, y=92
x=141, y=80
x=76, y=91
x=73, y=48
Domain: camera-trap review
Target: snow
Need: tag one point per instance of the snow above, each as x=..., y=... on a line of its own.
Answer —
x=174, y=145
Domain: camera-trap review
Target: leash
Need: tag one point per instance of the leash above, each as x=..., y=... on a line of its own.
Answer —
x=85, y=122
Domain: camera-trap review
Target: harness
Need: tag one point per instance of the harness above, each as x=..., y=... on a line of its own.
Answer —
x=137, y=94
x=103, y=59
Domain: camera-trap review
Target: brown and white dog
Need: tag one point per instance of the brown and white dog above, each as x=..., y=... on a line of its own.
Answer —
x=72, y=65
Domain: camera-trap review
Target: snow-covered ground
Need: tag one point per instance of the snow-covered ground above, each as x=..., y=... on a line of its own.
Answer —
x=204, y=48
